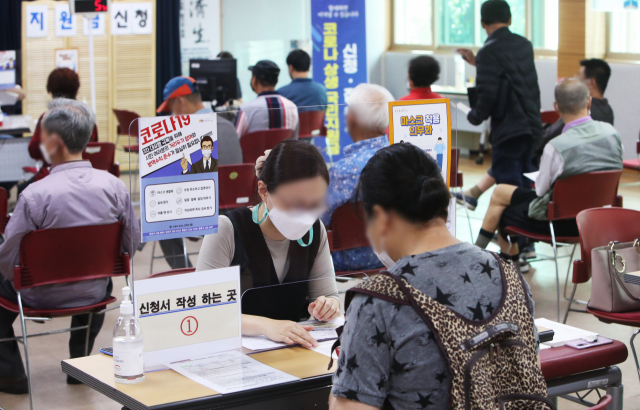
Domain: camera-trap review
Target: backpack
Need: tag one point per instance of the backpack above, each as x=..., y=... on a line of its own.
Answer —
x=493, y=362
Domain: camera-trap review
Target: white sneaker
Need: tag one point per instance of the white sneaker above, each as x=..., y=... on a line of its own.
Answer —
x=524, y=265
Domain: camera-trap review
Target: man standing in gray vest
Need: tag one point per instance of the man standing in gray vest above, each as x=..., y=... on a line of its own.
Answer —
x=584, y=146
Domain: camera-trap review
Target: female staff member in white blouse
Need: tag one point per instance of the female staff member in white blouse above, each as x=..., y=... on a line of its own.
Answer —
x=280, y=241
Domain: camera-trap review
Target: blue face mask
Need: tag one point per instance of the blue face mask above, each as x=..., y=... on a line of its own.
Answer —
x=281, y=223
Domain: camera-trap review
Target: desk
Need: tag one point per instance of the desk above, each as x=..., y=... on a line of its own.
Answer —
x=167, y=389
x=566, y=370
x=17, y=124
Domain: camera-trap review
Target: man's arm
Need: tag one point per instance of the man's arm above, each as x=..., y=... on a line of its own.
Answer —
x=488, y=74
x=339, y=403
x=19, y=225
x=551, y=167
x=130, y=225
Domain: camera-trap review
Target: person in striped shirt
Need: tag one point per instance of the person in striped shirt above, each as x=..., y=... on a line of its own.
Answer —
x=269, y=110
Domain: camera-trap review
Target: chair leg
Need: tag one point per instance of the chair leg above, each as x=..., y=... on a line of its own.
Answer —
x=466, y=210
x=566, y=280
x=633, y=349
x=86, y=341
x=153, y=252
x=573, y=294
x=26, y=349
x=555, y=259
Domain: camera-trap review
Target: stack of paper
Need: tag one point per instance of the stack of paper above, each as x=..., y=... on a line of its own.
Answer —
x=264, y=343
x=563, y=334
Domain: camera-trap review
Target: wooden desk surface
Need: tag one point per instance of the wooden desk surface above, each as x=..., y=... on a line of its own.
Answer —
x=167, y=386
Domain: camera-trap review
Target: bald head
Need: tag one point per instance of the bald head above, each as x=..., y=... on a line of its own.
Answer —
x=572, y=97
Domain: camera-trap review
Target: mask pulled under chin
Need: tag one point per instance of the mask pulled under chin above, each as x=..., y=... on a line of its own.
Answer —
x=45, y=154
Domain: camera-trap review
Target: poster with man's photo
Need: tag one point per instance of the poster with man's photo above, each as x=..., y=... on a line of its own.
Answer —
x=178, y=176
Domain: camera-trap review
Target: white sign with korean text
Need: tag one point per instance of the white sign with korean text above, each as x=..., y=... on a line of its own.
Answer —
x=200, y=34
x=191, y=314
x=65, y=21
x=36, y=21
x=425, y=124
x=131, y=18
x=95, y=23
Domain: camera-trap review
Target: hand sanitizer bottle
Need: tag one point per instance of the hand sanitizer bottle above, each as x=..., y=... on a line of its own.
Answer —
x=128, y=348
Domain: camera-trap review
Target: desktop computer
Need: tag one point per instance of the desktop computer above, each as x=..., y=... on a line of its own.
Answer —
x=216, y=79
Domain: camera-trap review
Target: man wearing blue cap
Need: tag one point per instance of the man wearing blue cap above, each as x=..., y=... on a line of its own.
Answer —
x=181, y=97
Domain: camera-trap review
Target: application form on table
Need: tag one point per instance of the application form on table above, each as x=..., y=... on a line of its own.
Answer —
x=322, y=331
x=230, y=372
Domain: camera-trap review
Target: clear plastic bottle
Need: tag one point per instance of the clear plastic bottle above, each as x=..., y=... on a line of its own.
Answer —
x=128, y=347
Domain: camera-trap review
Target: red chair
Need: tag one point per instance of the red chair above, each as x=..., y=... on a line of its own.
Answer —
x=549, y=117
x=571, y=196
x=4, y=210
x=312, y=124
x=602, y=403
x=256, y=143
x=455, y=181
x=127, y=125
x=102, y=155
x=237, y=185
x=45, y=260
x=599, y=227
x=633, y=164
x=348, y=232
x=171, y=272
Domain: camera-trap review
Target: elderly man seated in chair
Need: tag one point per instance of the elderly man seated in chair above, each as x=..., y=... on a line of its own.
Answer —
x=584, y=146
x=74, y=194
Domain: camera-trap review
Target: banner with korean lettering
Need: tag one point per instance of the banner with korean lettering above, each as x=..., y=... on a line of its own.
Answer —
x=179, y=176
x=338, y=32
x=190, y=314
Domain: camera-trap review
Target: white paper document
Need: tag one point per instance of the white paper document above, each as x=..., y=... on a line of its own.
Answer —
x=332, y=324
x=325, y=348
x=464, y=108
x=562, y=334
x=264, y=343
x=230, y=372
x=532, y=175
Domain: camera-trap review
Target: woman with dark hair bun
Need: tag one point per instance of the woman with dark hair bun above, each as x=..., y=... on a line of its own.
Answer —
x=390, y=357
x=280, y=241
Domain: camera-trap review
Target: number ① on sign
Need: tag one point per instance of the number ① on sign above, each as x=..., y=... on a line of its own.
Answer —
x=189, y=326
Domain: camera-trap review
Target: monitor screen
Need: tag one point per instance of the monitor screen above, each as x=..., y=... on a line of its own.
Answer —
x=216, y=79
x=89, y=6
x=8, y=68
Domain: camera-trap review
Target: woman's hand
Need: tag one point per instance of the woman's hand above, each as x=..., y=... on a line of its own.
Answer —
x=289, y=333
x=325, y=308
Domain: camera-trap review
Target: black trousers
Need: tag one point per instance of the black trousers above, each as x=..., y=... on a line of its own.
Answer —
x=10, y=360
x=174, y=253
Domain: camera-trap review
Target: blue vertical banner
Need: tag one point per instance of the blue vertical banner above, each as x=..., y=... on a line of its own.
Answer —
x=338, y=32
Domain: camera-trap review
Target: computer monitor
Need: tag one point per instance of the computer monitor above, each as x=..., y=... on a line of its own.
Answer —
x=216, y=79
x=9, y=69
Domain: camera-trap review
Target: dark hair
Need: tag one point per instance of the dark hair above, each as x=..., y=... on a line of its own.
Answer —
x=292, y=160
x=424, y=71
x=63, y=83
x=299, y=60
x=404, y=178
x=495, y=11
x=206, y=138
x=598, y=70
x=225, y=55
x=266, y=81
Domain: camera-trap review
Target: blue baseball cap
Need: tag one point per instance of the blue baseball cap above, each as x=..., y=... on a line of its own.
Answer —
x=176, y=87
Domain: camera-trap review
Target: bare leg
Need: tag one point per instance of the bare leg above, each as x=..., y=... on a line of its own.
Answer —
x=500, y=200
x=485, y=183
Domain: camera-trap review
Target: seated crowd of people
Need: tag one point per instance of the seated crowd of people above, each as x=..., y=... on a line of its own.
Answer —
x=402, y=195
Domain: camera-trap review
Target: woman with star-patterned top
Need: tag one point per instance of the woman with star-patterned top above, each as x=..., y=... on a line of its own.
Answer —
x=389, y=358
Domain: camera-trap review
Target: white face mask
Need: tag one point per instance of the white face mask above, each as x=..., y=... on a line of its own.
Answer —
x=383, y=256
x=293, y=225
x=206, y=153
x=45, y=154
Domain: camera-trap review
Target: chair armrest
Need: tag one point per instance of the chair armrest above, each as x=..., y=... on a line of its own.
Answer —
x=580, y=272
x=638, y=147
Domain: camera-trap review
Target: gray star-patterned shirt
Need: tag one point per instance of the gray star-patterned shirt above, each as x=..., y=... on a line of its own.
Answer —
x=388, y=353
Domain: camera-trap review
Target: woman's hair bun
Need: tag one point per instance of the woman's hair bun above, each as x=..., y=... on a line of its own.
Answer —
x=406, y=179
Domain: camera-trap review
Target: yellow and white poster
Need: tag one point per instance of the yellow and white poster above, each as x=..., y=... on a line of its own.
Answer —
x=189, y=314
x=425, y=124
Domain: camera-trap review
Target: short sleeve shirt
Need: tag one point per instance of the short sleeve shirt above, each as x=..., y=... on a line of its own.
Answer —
x=388, y=353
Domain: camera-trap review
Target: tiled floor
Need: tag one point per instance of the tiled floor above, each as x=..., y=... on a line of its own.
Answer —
x=52, y=392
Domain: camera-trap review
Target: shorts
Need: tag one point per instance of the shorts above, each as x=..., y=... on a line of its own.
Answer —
x=517, y=215
x=510, y=160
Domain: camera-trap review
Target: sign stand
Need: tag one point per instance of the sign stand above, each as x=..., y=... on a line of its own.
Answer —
x=92, y=75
